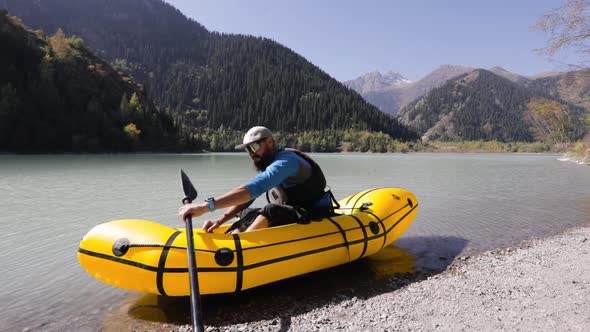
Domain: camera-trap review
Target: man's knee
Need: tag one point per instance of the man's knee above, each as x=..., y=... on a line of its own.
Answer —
x=260, y=222
x=269, y=210
x=278, y=215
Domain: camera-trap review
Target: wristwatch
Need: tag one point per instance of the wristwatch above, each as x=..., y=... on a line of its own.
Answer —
x=211, y=202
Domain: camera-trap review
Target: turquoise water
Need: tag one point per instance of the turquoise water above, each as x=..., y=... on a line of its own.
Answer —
x=468, y=202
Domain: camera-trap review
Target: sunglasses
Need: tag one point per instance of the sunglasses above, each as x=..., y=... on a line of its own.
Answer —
x=253, y=147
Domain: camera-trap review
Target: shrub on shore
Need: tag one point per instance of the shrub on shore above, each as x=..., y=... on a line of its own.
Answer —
x=224, y=140
x=579, y=152
x=488, y=146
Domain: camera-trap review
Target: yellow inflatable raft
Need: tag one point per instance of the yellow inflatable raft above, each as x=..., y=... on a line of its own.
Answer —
x=149, y=257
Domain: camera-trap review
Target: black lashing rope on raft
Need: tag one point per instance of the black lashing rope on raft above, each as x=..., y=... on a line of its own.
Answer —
x=121, y=246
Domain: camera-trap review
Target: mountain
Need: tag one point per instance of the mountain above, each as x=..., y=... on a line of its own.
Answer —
x=55, y=95
x=479, y=105
x=573, y=87
x=392, y=98
x=482, y=105
x=544, y=75
x=510, y=75
x=435, y=79
x=208, y=79
x=374, y=81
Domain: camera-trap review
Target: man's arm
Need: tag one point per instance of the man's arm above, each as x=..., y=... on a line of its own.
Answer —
x=237, y=196
x=277, y=172
x=210, y=225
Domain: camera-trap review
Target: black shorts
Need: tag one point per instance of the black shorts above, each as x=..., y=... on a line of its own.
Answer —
x=276, y=214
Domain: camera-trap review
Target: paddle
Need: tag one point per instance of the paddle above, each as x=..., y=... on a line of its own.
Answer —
x=190, y=194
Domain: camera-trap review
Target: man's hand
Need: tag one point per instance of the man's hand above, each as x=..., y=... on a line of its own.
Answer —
x=194, y=209
x=210, y=225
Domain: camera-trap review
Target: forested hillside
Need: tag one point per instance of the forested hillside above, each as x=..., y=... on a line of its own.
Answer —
x=56, y=96
x=572, y=86
x=480, y=106
x=209, y=80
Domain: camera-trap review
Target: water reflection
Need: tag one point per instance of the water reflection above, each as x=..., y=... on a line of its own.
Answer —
x=156, y=308
x=391, y=261
x=434, y=253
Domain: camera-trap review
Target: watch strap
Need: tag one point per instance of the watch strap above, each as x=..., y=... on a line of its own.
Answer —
x=211, y=203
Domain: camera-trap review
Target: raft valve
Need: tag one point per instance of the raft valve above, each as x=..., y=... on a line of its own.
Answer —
x=120, y=247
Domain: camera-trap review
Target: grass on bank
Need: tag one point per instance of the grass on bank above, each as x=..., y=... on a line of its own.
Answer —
x=489, y=146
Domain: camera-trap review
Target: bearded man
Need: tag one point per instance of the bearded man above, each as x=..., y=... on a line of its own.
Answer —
x=294, y=185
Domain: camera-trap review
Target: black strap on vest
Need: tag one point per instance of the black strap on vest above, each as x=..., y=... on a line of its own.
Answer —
x=335, y=204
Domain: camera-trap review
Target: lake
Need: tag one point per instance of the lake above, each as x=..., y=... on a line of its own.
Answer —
x=468, y=203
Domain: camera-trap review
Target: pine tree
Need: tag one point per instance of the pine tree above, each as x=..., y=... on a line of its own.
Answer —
x=135, y=103
x=125, y=108
x=10, y=108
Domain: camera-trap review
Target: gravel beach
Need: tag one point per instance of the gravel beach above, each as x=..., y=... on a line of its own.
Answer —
x=538, y=285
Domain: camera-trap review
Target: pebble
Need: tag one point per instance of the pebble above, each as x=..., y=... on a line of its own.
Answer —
x=506, y=289
x=185, y=328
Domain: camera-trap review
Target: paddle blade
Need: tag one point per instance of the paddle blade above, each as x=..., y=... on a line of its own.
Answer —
x=188, y=188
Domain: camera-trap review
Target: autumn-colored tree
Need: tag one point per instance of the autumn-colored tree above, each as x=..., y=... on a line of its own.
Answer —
x=132, y=131
x=569, y=28
x=555, y=122
x=61, y=46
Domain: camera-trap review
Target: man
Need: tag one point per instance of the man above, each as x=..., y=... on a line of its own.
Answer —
x=293, y=181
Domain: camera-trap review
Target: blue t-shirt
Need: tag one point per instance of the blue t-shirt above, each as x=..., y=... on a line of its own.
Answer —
x=284, y=166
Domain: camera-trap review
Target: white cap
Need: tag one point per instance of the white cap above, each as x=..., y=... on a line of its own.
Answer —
x=253, y=135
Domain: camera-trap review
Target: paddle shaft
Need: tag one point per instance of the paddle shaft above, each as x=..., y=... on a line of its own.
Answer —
x=192, y=271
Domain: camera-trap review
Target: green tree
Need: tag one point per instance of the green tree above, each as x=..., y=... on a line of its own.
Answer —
x=125, y=108
x=76, y=42
x=10, y=107
x=214, y=143
x=135, y=103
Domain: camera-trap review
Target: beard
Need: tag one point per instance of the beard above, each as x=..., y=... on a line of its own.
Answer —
x=263, y=163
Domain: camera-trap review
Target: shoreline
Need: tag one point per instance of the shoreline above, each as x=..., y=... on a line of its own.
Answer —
x=577, y=160
x=436, y=147
x=539, y=284
x=239, y=152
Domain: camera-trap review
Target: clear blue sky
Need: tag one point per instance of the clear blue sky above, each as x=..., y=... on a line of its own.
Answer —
x=348, y=38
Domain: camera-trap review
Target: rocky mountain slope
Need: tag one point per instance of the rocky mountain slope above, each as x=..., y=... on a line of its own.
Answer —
x=375, y=81
x=390, y=99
